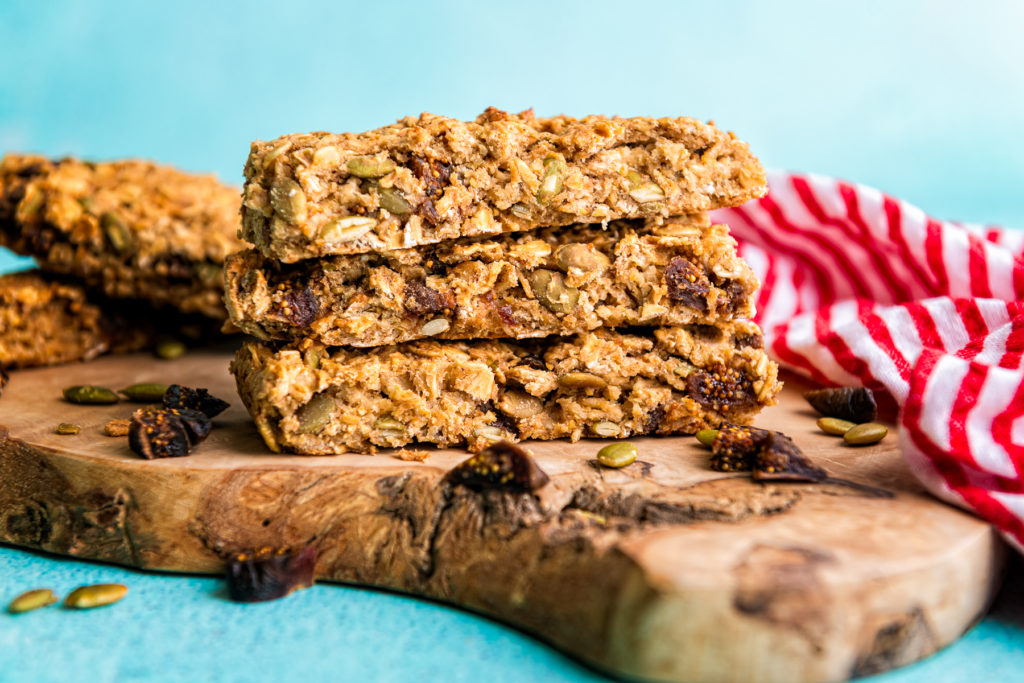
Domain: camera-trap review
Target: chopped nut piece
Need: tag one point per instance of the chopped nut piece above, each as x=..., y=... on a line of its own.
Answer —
x=117, y=428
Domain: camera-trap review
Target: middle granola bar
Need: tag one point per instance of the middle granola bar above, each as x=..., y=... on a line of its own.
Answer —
x=548, y=282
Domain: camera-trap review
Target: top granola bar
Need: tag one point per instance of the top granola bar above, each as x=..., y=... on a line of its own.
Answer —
x=432, y=178
x=131, y=229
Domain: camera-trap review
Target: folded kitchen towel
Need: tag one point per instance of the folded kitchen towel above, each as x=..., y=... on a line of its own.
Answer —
x=860, y=288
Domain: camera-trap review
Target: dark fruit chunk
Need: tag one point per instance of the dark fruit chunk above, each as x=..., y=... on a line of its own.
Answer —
x=779, y=459
x=197, y=424
x=435, y=176
x=184, y=398
x=158, y=433
x=4, y=377
x=501, y=466
x=687, y=283
x=719, y=387
x=736, y=447
x=856, y=404
x=422, y=300
x=266, y=575
x=300, y=307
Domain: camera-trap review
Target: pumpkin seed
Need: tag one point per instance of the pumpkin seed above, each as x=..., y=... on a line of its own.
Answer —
x=98, y=595
x=89, y=394
x=30, y=600
x=617, y=454
x=684, y=368
x=169, y=349
x=312, y=358
x=581, y=380
x=368, y=167
x=388, y=424
x=642, y=189
x=117, y=234
x=707, y=436
x=520, y=405
x=326, y=156
x=145, y=392
x=489, y=433
x=67, y=428
x=347, y=229
x=315, y=415
x=835, y=426
x=552, y=292
x=392, y=201
x=435, y=326
x=605, y=429
x=288, y=200
x=551, y=180
x=582, y=256
x=865, y=434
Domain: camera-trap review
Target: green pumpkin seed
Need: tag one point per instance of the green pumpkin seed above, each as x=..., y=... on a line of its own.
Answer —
x=116, y=231
x=315, y=415
x=707, y=436
x=347, y=229
x=368, y=167
x=312, y=358
x=288, y=200
x=30, y=600
x=865, y=434
x=581, y=256
x=145, y=392
x=98, y=595
x=835, y=426
x=684, y=368
x=551, y=180
x=605, y=429
x=67, y=428
x=551, y=291
x=642, y=189
x=169, y=349
x=388, y=424
x=392, y=201
x=617, y=454
x=89, y=394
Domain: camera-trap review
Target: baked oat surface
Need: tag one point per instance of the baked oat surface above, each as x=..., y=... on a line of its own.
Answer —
x=308, y=399
x=128, y=228
x=552, y=281
x=430, y=178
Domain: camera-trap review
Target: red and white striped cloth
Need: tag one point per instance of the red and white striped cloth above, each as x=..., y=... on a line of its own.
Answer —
x=861, y=288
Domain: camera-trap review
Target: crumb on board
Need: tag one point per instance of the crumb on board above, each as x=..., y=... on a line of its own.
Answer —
x=117, y=428
x=410, y=455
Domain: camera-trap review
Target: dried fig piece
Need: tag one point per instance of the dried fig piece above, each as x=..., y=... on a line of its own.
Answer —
x=422, y=300
x=687, y=284
x=269, y=575
x=500, y=466
x=300, y=307
x=779, y=459
x=435, y=176
x=856, y=404
x=158, y=433
x=184, y=398
x=720, y=387
x=197, y=424
x=735, y=448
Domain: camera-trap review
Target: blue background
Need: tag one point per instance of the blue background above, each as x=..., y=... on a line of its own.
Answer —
x=921, y=99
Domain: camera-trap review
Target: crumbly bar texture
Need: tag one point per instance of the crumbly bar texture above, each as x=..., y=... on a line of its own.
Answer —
x=432, y=178
x=45, y=321
x=131, y=229
x=50, y=320
x=554, y=281
x=311, y=400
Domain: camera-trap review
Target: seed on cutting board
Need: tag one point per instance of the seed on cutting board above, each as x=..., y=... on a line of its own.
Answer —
x=145, y=392
x=30, y=600
x=89, y=394
x=835, y=426
x=617, y=454
x=67, y=428
x=169, y=349
x=97, y=595
x=865, y=434
x=707, y=436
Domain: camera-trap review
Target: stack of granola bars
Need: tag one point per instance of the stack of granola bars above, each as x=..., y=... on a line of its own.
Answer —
x=128, y=251
x=511, y=277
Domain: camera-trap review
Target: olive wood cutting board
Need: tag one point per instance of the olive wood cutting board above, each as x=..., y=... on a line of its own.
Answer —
x=662, y=570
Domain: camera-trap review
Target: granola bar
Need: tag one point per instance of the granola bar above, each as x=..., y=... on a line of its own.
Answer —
x=308, y=399
x=551, y=281
x=131, y=229
x=48, y=321
x=432, y=178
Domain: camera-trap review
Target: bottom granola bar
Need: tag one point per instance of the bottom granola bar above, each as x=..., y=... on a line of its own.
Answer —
x=309, y=399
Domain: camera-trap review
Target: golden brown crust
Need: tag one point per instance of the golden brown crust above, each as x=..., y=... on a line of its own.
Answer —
x=431, y=178
x=554, y=281
x=308, y=399
x=131, y=229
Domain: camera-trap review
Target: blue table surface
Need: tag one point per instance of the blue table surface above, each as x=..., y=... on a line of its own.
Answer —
x=922, y=99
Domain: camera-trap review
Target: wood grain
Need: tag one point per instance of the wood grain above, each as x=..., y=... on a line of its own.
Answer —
x=662, y=570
